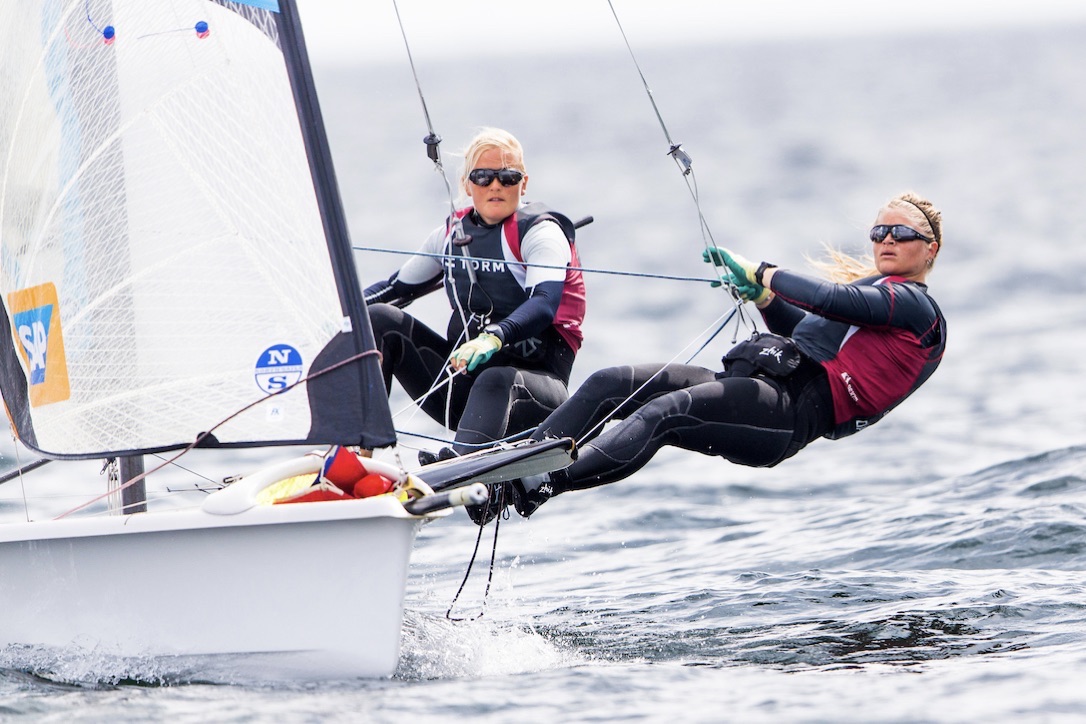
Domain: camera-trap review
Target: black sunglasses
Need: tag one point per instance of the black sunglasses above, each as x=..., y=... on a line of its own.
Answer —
x=486, y=176
x=899, y=232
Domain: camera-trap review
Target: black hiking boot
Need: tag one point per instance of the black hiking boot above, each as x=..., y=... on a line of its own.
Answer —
x=531, y=492
x=500, y=495
x=428, y=458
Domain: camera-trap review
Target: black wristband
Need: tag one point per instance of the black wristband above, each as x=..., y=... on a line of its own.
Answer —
x=496, y=330
x=761, y=271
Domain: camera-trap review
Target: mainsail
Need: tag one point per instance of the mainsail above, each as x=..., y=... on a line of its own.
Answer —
x=172, y=242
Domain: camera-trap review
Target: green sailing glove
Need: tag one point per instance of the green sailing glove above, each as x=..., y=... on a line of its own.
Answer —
x=739, y=265
x=476, y=352
x=747, y=291
x=742, y=274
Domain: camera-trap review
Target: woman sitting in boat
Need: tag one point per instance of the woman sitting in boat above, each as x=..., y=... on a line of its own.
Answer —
x=855, y=348
x=515, y=329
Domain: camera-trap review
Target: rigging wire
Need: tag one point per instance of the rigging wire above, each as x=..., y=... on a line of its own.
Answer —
x=207, y=433
x=22, y=469
x=526, y=264
x=189, y=471
x=433, y=151
x=456, y=238
x=443, y=379
x=685, y=164
x=720, y=322
x=456, y=234
x=477, y=445
x=432, y=140
x=682, y=159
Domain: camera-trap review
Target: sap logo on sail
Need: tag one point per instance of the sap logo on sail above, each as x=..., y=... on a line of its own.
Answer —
x=36, y=317
x=279, y=367
x=33, y=329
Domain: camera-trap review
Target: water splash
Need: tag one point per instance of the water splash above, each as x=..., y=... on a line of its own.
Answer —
x=436, y=648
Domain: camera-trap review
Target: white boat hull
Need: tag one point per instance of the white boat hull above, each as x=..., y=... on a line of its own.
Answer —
x=318, y=585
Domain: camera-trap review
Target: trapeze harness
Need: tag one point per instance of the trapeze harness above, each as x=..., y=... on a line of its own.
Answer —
x=526, y=380
x=484, y=280
x=865, y=348
x=876, y=350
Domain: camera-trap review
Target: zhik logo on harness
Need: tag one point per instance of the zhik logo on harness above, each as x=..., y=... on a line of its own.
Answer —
x=36, y=317
x=774, y=352
x=770, y=354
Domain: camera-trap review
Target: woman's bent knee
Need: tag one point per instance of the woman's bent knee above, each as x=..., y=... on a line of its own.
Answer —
x=501, y=378
x=606, y=381
x=385, y=317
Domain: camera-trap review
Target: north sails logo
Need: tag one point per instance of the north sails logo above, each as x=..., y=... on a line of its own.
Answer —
x=848, y=386
x=774, y=352
x=278, y=367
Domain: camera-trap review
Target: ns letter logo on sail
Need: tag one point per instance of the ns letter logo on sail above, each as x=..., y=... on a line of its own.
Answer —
x=278, y=367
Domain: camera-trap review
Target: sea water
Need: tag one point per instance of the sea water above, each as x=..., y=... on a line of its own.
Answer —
x=928, y=569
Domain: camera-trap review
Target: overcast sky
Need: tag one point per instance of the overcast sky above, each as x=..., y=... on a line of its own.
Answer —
x=364, y=30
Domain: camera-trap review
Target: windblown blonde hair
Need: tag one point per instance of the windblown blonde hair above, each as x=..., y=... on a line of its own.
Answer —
x=492, y=138
x=843, y=268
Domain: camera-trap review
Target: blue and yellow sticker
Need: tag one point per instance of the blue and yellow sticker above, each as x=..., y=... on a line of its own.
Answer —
x=36, y=318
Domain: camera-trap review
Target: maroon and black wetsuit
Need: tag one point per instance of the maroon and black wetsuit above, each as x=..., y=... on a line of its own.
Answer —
x=486, y=283
x=878, y=339
x=864, y=347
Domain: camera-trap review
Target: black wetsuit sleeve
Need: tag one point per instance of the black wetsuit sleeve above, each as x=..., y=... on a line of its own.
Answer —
x=892, y=304
x=781, y=317
x=400, y=294
x=534, y=315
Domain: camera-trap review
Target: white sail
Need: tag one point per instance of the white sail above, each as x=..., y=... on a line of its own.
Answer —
x=163, y=258
x=172, y=249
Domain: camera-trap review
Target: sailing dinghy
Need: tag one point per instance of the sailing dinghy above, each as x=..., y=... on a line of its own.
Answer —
x=173, y=249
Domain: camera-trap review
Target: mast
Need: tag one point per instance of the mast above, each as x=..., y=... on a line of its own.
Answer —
x=133, y=497
x=379, y=427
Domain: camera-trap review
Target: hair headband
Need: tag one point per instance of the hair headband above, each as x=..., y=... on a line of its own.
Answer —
x=934, y=229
